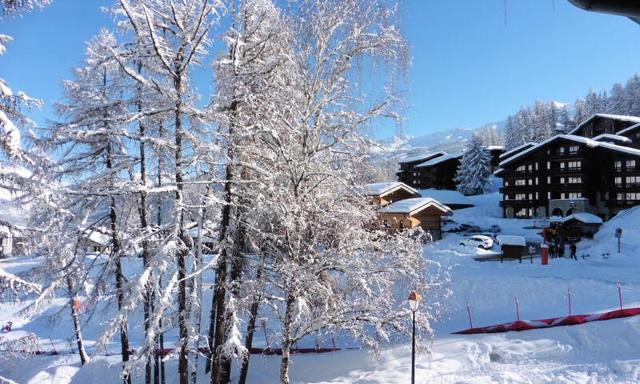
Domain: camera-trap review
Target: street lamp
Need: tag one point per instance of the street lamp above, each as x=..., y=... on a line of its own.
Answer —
x=414, y=300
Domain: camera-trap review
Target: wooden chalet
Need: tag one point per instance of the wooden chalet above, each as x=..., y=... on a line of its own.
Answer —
x=601, y=123
x=383, y=194
x=412, y=213
x=512, y=246
x=566, y=174
x=412, y=175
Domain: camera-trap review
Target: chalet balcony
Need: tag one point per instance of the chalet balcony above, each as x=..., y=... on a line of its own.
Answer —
x=566, y=156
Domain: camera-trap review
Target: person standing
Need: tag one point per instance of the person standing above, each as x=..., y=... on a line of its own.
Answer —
x=572, y=247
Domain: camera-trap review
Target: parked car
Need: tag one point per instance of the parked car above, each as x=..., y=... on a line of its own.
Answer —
x=480, y=241
x=469, y=228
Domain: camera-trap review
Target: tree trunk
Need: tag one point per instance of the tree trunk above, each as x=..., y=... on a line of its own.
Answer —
x=183, y=366
x=251, y=326
x=159, y=377
x=197, y=286
x=84, y=358
x=116, y=255
x=286, y=341
x=144, y=225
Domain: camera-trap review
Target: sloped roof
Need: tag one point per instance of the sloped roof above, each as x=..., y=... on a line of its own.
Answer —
x=440, y=159
x=380, y=189
x=608, y=136
x=627, y=130
x=577, y=139
x=583, y=217
x=446, y=196
x=409, y=206
x=495, y=148
x=422, y=156
x=516, y=149
x=630, y=119
x=511, y=240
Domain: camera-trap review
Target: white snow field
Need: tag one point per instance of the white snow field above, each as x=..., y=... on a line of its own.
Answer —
x=598, y=352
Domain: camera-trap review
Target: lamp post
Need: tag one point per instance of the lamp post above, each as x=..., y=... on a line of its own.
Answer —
x=414, y=300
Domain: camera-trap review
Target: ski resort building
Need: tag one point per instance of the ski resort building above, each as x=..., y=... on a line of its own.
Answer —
x=432, y=170
x=436, y=170
x=594, y=169
x=412, y=213
x=383, y=194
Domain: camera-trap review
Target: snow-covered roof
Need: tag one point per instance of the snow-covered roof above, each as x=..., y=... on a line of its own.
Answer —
x=608, y=136
x=627, y=130
x=380, y=189
x=511, y=240
x=630, y=119
x=409, y=206
x=498, y=172
x=577, y=139
x=516, y=149
x=446, y=196
x=583, y=217
x=440, y=159
x=97, y=237
x=421, y=156
x=495, y=148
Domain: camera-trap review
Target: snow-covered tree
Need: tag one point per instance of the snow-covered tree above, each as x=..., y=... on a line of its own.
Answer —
x=474, y=170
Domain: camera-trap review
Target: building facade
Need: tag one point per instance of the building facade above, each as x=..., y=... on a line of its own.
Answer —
x=594, y=170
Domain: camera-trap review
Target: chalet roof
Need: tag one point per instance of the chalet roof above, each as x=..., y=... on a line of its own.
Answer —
x=516, y=149
x=440, y=159
x=380, y=189
x=608, y=136
x=583, y=217
x=411, y=206
x=422, y=156
x=577, y=139
x=498, y=172
x=511, y=240
x=495, y=148
x=627, y=130
x=446, y=196
x=630, y=119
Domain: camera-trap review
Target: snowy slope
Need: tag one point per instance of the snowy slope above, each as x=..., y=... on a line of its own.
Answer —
x=603, y=352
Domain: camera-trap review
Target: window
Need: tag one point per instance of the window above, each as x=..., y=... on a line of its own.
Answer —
x=575, y=195
x=549, y=195
x=618, y=165
x=561, y=150
x=522, y=213
x=537, y=181
x=548, y=165
x=574, y=180
x=575, y=165
x=620, y=196
x=521, y=182
x=530, y=167
x=537, y=195
x=548, y=179
x=521, y=169
x=536, y=165
x=506, y=183
x=632, y=196
x=521, y=196
x=562, y=180
x=630, y=165
x=385, y=223
x=632, y=180
x=562, y=165
x=530, y=181
x=574, y=149
x=617, y=181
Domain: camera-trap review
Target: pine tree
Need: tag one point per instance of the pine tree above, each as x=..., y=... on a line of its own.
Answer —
x=474, y=169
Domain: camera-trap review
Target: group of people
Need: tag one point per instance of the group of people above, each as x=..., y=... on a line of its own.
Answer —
x=557, y=250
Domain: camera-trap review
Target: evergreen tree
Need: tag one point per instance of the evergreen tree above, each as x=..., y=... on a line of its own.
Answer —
x=474, y=170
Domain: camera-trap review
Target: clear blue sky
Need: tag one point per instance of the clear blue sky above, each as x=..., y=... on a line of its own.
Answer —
x=469, y=68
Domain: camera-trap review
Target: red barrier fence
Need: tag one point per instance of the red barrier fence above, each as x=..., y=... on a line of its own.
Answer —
x=524, y=325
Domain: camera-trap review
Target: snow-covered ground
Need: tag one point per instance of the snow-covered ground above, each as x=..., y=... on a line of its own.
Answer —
x=600, y=352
